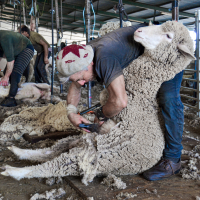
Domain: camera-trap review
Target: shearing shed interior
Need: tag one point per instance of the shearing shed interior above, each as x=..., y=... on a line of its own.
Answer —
x=99, y=99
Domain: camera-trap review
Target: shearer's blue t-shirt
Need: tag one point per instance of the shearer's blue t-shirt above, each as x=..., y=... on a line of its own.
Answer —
x=114, y=51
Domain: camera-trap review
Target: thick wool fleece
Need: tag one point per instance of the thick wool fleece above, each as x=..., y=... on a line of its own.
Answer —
x=138, y=143
x=111, y=26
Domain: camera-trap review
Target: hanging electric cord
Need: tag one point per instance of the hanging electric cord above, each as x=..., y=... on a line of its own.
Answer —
x=32, y=10
x=94, y=19
x=25, y=4
x=14, y=3
x=84, y=19
x=122, y=13
x=41, y=13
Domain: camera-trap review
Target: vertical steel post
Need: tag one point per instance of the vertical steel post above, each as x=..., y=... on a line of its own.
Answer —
x=52, y=75
x=87, y=20
x=197, y=27
x=1, y=13
x=61, y=25
x=57, y=22
x=20, y=23
x=24, y=14
x=14, y=16
x=175, y=10
x=61, y=18
x=120, y=13
x=17, y=15
x=36, y=16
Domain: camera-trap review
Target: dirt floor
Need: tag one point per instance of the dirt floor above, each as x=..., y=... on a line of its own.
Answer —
x=137, y=188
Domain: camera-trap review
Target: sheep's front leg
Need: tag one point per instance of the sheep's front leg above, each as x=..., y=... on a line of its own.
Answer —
x=64, y=165
x=43, y=155
x=40, y=155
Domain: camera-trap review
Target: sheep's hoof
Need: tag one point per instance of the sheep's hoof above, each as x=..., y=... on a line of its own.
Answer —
x=4, y=173
x=16, y=173
x=10, y=148
x=17, y=151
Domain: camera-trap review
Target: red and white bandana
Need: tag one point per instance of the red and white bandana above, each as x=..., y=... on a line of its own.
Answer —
x=74, y=58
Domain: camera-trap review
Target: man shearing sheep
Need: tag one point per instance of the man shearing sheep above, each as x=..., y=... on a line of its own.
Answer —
x=41, y=46
x=104, y=59
x=18, y=51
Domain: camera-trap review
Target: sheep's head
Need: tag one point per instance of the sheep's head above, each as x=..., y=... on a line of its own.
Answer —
x=166, y=38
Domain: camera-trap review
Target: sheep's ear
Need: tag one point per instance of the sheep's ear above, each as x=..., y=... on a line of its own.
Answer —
x=150, y=23
x=185, y=51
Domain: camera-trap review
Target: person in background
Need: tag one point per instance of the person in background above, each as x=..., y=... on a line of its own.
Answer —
x=18, y=51
x=43, y=53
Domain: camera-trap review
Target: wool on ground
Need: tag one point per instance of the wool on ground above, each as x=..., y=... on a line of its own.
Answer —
x=35, y=121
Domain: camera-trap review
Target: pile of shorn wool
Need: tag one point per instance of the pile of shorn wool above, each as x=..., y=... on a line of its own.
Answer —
x=35, y=121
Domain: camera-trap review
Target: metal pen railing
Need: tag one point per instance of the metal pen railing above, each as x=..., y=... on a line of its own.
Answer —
x=196, y=71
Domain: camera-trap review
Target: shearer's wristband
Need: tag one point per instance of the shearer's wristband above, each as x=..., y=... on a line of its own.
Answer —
x=100, y=115
x=71, y=109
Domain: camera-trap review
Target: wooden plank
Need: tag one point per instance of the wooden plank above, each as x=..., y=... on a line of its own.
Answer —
x=53, y=136
x=174, y=187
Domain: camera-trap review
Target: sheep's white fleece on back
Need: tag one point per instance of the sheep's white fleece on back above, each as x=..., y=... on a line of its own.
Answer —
x=138, y=143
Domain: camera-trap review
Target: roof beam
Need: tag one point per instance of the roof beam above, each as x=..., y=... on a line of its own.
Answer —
x=65, y=16
x=49, y=21
x=48, y=27
x=108, y=14
x=147, y=6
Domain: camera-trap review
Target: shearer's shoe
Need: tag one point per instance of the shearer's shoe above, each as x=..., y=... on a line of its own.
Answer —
x=164, y=169
x=9, y=102
x=43, y=74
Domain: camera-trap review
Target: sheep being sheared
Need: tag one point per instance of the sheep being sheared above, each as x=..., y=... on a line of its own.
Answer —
x=137, y=144
x=33, y=91
x=3, y=63
x=30, y=92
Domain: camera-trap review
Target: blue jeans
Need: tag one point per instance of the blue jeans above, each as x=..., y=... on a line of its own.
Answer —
x=172, y=111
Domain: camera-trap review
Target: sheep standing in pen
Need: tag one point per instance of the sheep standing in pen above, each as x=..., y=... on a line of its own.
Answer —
x=137, y=144
x=31, y=91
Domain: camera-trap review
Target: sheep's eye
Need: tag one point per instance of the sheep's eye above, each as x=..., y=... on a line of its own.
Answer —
x=168, y=36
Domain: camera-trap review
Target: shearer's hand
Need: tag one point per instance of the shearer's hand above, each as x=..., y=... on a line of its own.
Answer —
x=4, y=81
x=46, y=60
x=96, y=120
x=76, y=119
